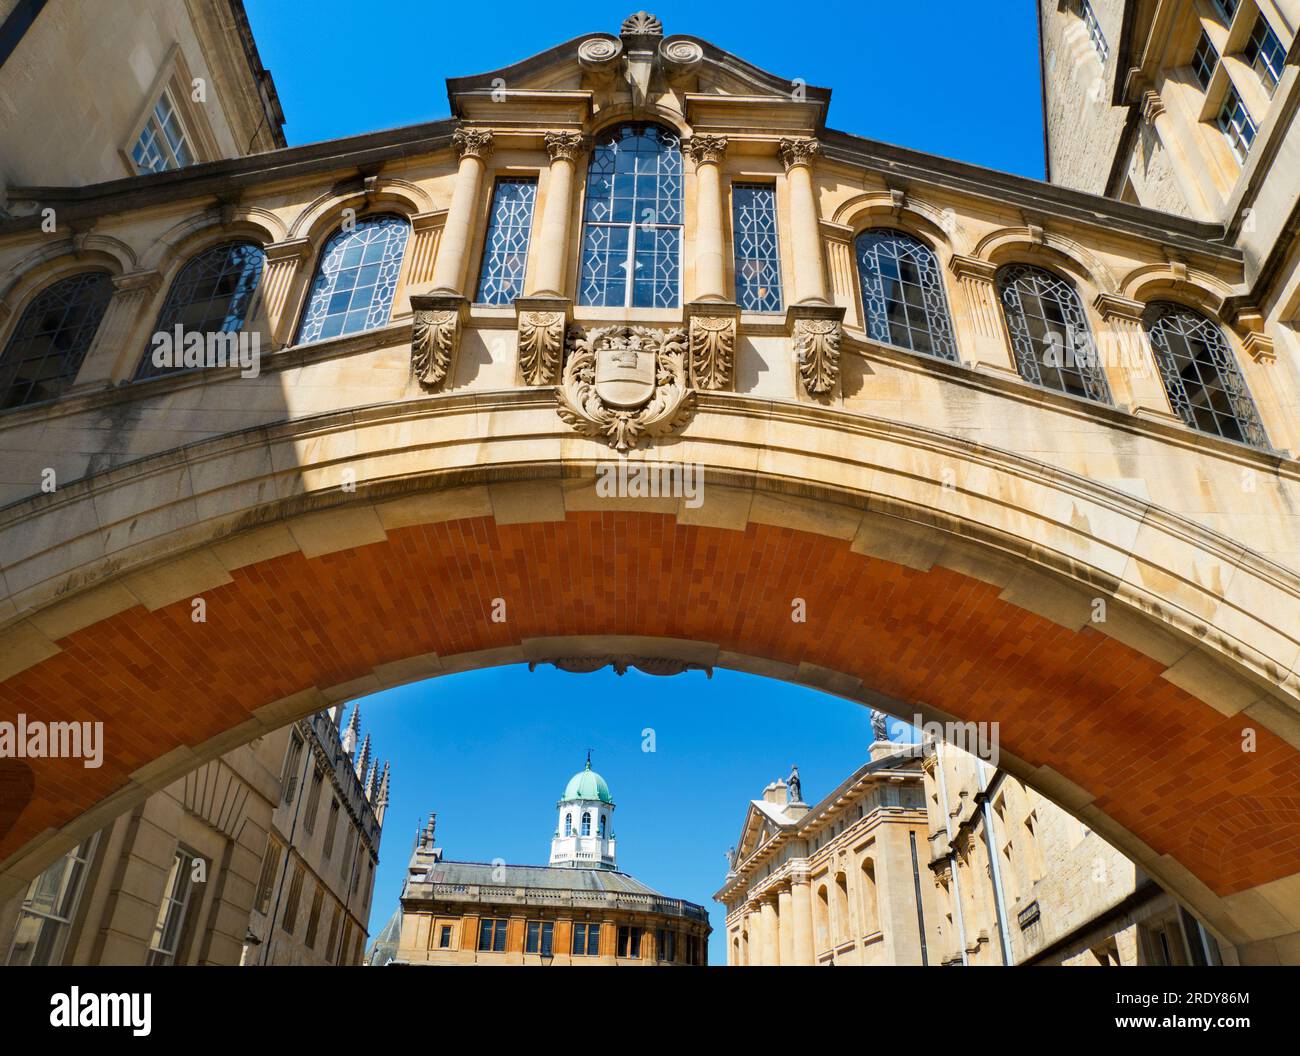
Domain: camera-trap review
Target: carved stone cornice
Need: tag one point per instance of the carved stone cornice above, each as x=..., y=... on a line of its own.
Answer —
x=141, y=282
x=469, y=142
x=564, y=146
x=973, y=269
x=706, y=149
x=1111, y=307
x=294, y=249
x=436, y=329
x=798, y=152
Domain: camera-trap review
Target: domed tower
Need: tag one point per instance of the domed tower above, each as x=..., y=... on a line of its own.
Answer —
x=584, y=834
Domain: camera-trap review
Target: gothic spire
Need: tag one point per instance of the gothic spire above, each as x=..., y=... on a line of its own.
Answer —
x=363, y=758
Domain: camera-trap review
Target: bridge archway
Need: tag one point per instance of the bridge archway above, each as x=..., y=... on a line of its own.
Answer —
x=343, y=553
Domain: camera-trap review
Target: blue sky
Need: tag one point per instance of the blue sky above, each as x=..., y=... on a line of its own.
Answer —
x=491, y=751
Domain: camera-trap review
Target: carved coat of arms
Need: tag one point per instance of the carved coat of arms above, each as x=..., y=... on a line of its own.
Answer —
x=623, y=383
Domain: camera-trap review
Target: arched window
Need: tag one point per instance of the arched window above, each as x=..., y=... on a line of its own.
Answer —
x=44, y=353
x=843, y=928
x=586, y=823
x=568, y=824
x=1049, y=332
x=822, y=918
x=632, y=220
x=356, y=279
x=601, y=831
x=211, y=294
x=1201, y=375
x=902, y=293
x=870, y=898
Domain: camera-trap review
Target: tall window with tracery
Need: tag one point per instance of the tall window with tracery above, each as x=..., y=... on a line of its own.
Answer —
x=1201, y=375
x=758, y=259
x=357, y=277
x=46, y=349
x=632, y=220
x=1050, y=337
x=212, y=294
x=902, y=293
x=510, y=227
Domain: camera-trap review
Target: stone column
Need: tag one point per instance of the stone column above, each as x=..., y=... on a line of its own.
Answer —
x=771, y=950
x=472, y=146
x=284, y=263
x=542, y=315
x=1127, y=358
x=801, y=891
x=714, y=317
x=785, y=917
x=751, y=940
x=992, y=349
x=815, y=324
x=118, y=346
x=439, y=315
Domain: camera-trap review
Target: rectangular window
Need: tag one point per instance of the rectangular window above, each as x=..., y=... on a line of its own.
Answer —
x=290, y=917
x=347, y=938
x=334, y=929
x=1227, y=8
x=313, y=919
x=1265, y=53
x=444, y=937
x=492, y=935
x=1094, y=30
x=172, y=913
x=505, y=251
x=49, y=906
x=758, y=262
x=332, y=831
x=541, y=935
x=266, y=882
x=163, y=143
x=1204, y=61
x=1235, y=122
x=348, y=844
x=312, y=807
x=629, y=942
x=667, y=945
x=289, y=776
x=586, y=940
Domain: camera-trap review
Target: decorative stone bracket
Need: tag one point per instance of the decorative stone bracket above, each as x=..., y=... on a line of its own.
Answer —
x=541, y=325
x=815, y=332
x=435, y=336
x=713, y=327
x=650, y=665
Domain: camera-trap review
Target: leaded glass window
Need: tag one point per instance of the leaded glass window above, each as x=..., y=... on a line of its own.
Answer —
x=902, y=293
x=356, y=279
x=211, y=294
x=1204, y=60
x=632, y=221
x=45, y=351
x=505, y=252
x=163, y=143
x=1201, y=375
x=1265, y=53
x=1049, y=332
x=1094, y=30
x=1236, y=124
x=1227, y=8
x=758, y=260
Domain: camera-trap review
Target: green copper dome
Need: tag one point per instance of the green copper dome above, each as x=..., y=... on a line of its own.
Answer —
x=587, y=784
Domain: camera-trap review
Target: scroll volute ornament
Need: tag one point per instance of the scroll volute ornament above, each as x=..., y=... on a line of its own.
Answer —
x=798, y=151
x=565, y=146
x=470, y=142
x=706, y=149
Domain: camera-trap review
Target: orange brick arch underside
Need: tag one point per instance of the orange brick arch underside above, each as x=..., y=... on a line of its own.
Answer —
x=1159, y=762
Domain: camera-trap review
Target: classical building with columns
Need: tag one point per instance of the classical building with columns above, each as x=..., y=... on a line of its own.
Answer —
x=928, y=855
x=579, y=909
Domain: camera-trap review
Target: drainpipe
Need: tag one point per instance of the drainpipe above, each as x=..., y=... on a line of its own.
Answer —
x=995, y=869
x=952, y=856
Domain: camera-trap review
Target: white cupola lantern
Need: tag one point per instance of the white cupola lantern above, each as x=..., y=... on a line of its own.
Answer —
x=584, y=833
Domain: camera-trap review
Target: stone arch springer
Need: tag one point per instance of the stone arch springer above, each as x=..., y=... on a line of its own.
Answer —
x=1207, y=627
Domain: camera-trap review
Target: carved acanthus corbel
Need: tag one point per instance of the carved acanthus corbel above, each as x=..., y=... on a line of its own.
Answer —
x=816, y=342
x=541, y=327
x=435, y=337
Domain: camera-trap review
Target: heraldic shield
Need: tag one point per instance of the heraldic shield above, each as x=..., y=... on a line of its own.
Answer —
x=623, y=383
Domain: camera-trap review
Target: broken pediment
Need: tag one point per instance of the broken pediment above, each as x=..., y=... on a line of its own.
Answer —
x=638, y=72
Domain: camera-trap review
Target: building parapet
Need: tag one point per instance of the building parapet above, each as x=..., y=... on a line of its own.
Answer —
x=551, y=897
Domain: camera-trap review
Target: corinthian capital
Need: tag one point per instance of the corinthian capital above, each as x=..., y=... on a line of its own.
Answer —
x=798, y=152
x=564, y=146
x=707, y=149
x=472, y=142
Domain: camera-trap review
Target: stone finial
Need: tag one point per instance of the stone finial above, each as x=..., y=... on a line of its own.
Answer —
x=642, y=24
x=472, y=142
x=363, y=758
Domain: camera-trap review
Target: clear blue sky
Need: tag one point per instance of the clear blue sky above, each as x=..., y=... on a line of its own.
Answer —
x=490, y=752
